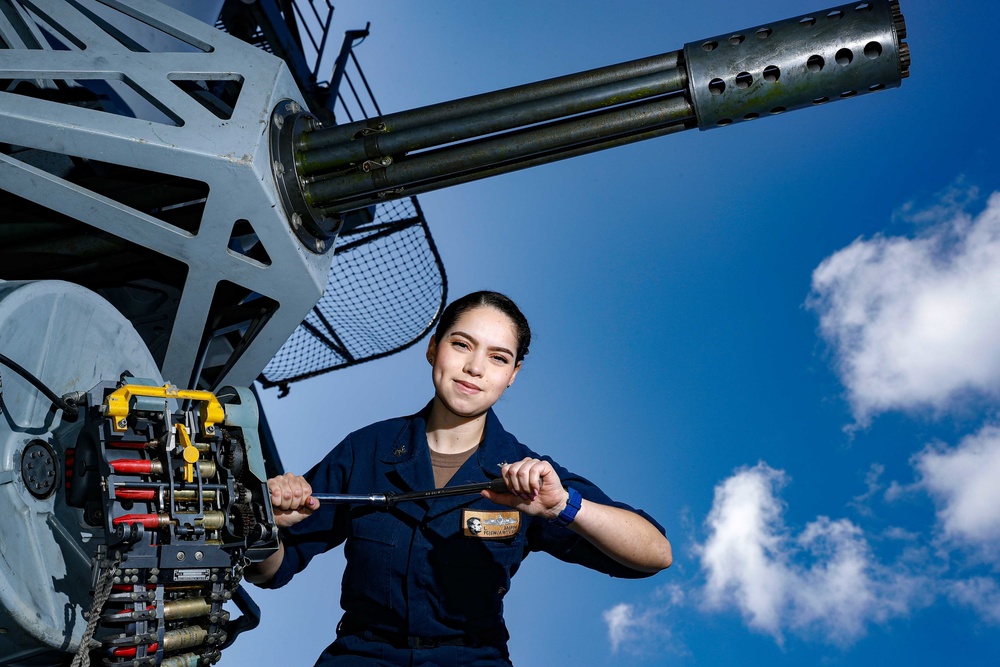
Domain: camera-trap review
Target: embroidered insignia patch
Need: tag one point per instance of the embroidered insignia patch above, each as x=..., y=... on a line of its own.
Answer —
x=488, y=525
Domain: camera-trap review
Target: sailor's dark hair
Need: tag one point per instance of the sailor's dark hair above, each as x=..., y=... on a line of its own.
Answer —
x=496, y=300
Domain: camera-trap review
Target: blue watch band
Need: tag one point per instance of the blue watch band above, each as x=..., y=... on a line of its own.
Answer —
x=568, y=514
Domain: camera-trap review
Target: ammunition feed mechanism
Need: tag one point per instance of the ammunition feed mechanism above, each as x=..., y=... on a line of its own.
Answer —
x=183, y=507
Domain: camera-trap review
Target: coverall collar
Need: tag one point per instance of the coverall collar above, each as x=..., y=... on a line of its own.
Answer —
x=409, y=456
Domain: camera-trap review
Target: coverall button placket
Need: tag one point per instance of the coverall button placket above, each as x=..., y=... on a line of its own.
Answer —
x=417, y=606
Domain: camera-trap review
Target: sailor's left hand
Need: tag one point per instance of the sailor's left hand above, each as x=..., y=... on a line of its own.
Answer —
x=533, y=488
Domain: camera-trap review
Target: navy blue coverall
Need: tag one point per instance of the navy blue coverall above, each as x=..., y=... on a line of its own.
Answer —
x=416, y=590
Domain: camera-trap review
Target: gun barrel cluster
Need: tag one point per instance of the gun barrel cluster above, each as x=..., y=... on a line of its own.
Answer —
x=767, y=70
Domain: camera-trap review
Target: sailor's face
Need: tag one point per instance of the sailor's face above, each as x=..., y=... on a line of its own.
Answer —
x=474, y=362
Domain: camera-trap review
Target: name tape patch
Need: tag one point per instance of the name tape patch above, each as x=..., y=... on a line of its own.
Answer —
x=490, y=525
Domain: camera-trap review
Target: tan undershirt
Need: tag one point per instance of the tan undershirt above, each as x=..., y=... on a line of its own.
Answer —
x=446, y=465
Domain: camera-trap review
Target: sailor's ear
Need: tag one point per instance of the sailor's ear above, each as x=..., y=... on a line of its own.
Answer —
x=431, y=350
x=513, y=376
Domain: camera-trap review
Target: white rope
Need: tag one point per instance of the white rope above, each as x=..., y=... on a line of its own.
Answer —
x=101, y=595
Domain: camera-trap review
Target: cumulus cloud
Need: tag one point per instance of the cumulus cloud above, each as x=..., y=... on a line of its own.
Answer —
x=980, y=594
x=626, y=626
x=914, y=322
x=950, y=202
x=621, y=621
x=642, y=629
x=822, y=582
x=963, y=481
x=862, y=503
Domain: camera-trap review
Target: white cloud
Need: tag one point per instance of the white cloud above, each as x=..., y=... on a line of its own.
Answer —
x=965, y=485
x=752, y=562
x=979, y=593
x=620, y=621
x=623, y=625
x=862, y=503
x=950, y=202
x=642, y=630
x=915, y=322
x=900, y=534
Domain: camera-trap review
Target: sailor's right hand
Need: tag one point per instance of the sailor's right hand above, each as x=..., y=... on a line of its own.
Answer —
x=291, y=497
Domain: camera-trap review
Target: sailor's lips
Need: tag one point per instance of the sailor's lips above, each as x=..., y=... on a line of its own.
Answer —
x=467, y=387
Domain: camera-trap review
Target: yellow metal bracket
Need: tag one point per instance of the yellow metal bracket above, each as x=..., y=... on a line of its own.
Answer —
x=189, y=452
x=118, y=403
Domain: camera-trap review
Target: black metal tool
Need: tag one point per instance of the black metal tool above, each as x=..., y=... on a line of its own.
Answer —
x=390, y=499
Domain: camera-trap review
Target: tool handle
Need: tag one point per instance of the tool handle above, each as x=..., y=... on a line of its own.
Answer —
x=389, y=499
x=497, y=485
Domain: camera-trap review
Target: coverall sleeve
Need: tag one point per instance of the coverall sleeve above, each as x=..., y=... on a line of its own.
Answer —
x=570, y=547
x=328, y=526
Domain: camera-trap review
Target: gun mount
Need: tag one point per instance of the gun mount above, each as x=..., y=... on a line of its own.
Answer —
x=136, y=165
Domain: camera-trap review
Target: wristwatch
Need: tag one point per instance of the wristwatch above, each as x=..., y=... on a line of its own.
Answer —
x=568, y=514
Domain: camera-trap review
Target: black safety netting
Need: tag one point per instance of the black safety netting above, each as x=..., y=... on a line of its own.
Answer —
x=386, y=289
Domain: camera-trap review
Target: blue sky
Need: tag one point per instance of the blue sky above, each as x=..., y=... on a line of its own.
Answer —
x=779, y=338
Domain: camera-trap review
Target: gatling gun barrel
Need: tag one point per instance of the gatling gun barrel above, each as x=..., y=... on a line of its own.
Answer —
x=767, y=70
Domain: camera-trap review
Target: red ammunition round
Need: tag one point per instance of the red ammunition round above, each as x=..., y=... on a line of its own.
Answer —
x=132, y=466
x=135, y=494
x=130, y=651
x=150, y=521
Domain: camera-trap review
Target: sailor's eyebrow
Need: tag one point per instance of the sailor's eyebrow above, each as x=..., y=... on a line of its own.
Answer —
x=494, y=348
